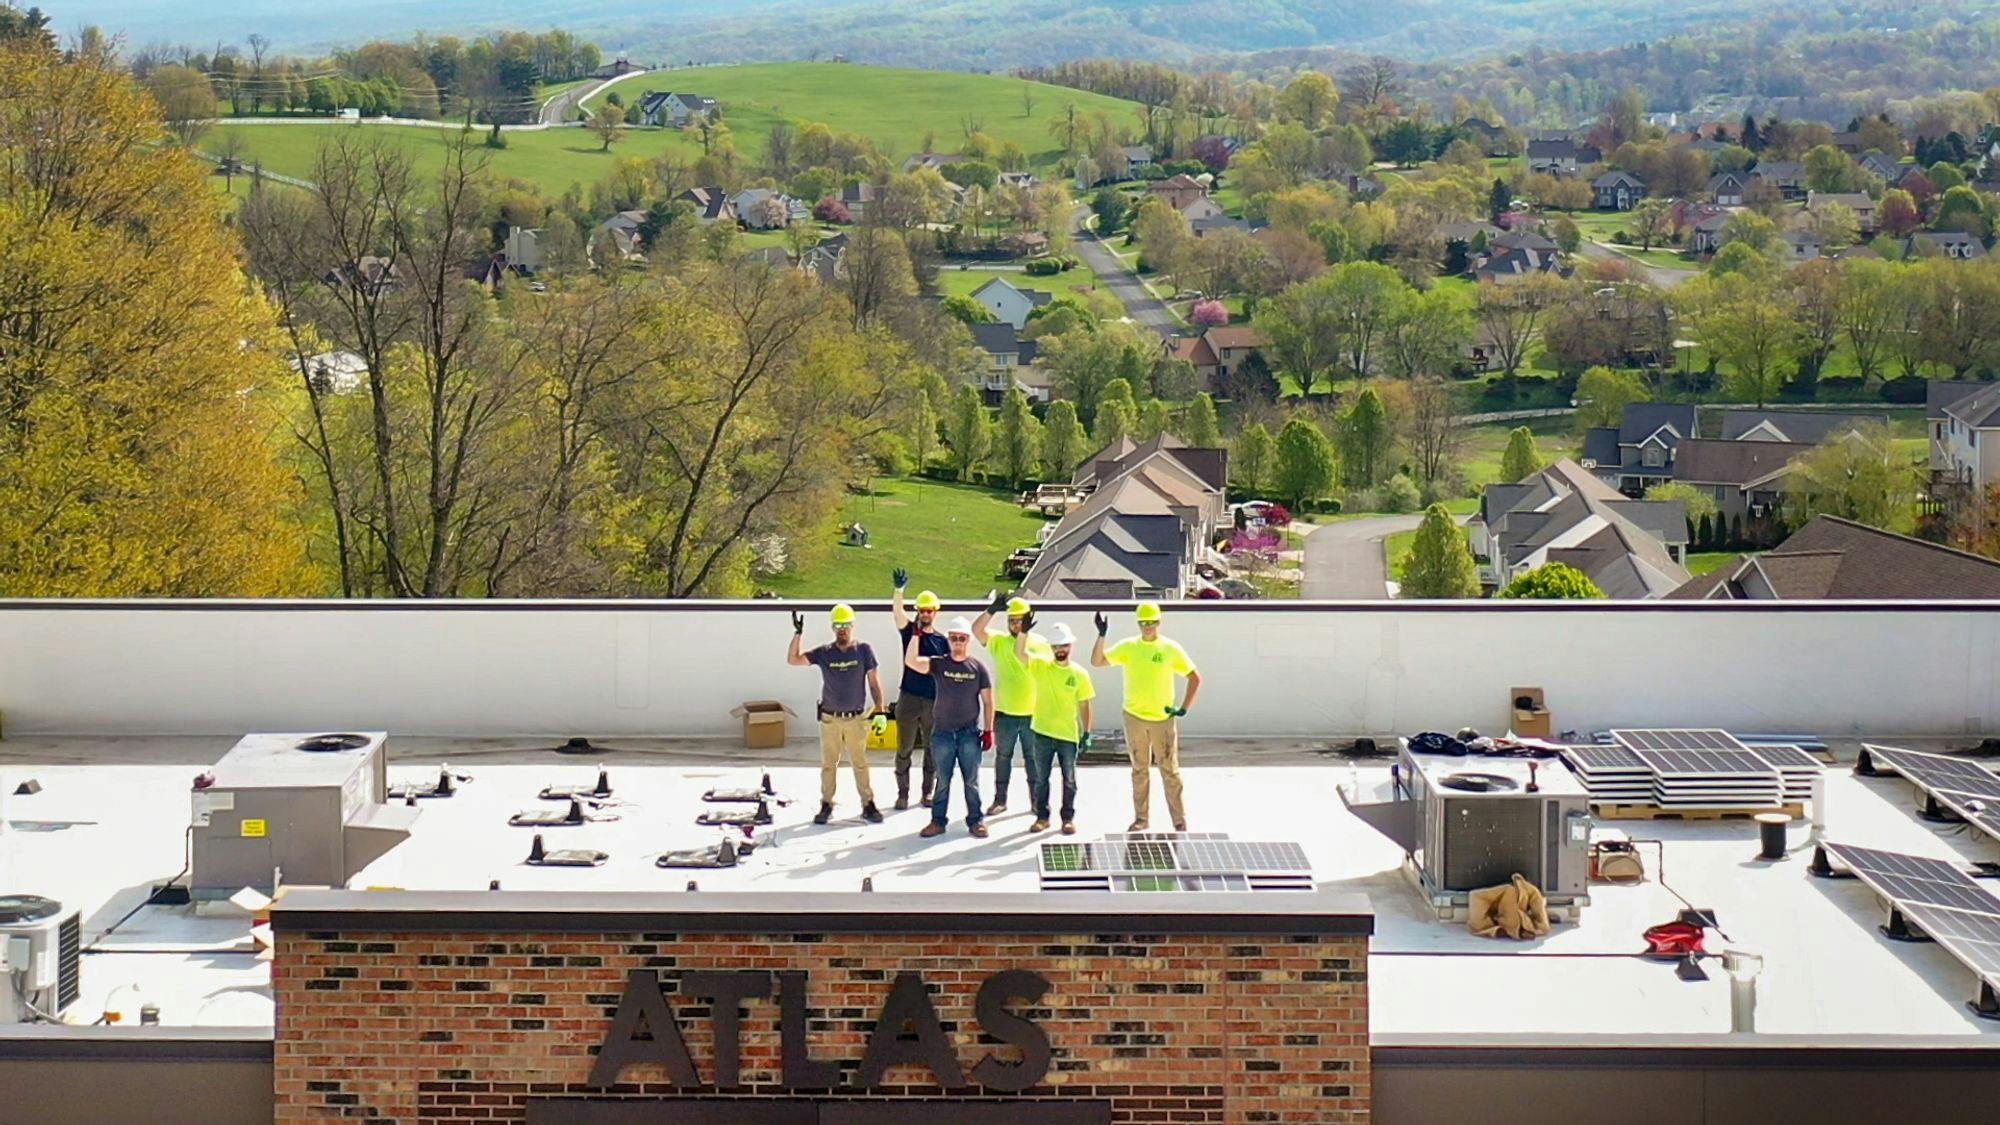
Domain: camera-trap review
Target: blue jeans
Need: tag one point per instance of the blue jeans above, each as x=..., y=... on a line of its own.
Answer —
x=1046, y=752
x=1008, y=730
x=956, y=749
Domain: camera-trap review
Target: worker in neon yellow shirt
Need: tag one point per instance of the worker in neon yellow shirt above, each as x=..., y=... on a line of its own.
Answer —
x=1152, y=728
x=1062, y=693
x=1013, y=690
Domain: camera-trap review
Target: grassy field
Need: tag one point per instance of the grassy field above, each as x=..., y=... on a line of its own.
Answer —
x=953, y=281
x=1484, y=445
x=950, y=537
x=1701, y=562
x=895, y=108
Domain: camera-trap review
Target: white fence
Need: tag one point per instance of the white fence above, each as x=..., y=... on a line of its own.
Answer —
x=676, y=668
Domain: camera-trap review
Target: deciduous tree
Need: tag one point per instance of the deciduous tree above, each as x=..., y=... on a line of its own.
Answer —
x=1521, y=458
x=1440, y=563
x=1552, y=581
x=1306, y=466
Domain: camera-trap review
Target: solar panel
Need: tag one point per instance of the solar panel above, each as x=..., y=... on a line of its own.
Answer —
x=1917, y=880
x=1157, y=861
x=1973, y=937
x=1937, y=773
x=1787, y=758
x=1677, y=739
x=1704, y=762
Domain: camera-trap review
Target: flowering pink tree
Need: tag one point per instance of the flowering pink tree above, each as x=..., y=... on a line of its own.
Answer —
x=1277, y=515
x=1212, y=151
x=831, y=210
x=1208, y=314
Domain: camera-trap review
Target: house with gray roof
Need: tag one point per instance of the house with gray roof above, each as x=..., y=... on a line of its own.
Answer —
x=1832, y=558
x=1632, y=549
x=1944, y=243
x=1153, y=510
x=1009, y=363
x=1806, y=427
x=1639, y=451
x=1746, y=478
x=1965, y=434
x=1009, y=303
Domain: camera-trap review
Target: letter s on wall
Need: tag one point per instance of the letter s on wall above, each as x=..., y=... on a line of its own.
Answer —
x=991, y=1009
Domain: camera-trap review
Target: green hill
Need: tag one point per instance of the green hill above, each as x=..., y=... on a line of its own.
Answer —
x=893, y=107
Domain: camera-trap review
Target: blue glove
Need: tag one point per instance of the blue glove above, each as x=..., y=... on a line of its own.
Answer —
x=1083, y=742
x=901, y=577
x=1176, y=712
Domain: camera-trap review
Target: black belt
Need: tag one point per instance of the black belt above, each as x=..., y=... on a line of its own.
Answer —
x=826, y=714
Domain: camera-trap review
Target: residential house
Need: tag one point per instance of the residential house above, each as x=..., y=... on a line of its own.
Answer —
x=1008, y=360
x=375, y=274
x=1746, y=478
x=1204, y=226
x=1025, y=243
x=1639, y=451
x=1725, y=189
x=676, y=108
x=1882, y=166
x=1508, y=265
x=711, y=204
x=1010, y=304
x=935, y=161
x=1798, y=246
x=1153, y=510
x=755, y=214
x=524, y=248
x=1788, y=176
x=1683, y=214
x=776, y=257
x=1178, y=191
x=1965, y=432
x=1855, y=201
x=823, y=259
x=1202, y=208
x=1618, y=191
x=1632, y=549
x=1705, y=237
x=1196, y=351
x=1848, y=141
x=1493, y=140
x=1233, y=345
x=1359, y=185
x=1837, y=559
x=620, y=234
x=1946, y=243
x=488, y=271
x=1560, y=156
x=1804, y=427
x=858, y=197
x=1137, y=156
x=1023, y=180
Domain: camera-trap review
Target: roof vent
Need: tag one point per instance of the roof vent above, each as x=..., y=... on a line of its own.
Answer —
x=332, y=743
x=1479, y=783
x=26, y=908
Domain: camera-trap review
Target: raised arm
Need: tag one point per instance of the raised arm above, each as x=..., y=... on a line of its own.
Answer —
x=995, y=601
x=919, y=664
x=902, y=578
x=1097, y=659
x=794, y=656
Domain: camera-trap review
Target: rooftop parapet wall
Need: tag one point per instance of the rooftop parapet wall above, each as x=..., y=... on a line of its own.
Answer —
x=1293, y=669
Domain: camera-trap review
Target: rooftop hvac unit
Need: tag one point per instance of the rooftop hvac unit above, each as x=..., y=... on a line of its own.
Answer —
x=309, y=805
x=40, y=947
x=1472, y=822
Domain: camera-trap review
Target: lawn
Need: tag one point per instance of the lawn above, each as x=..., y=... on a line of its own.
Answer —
x=1396, y=552
x=950, y=537
x=954, y=281
x=1701, y=562
x=1484, y=444
x=895, y=108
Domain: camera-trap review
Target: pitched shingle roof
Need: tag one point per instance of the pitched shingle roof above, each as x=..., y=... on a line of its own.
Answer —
x=1839, y=559
x=1809, y=427
x=1739, y=463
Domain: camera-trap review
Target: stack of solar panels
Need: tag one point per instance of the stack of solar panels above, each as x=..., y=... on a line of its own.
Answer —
x=1152, y=861
x=1706, y=769
x=1611, y=775
x=1796, y=770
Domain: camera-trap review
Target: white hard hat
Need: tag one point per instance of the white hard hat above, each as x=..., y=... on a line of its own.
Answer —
x=959, y=624
x=1059, y=634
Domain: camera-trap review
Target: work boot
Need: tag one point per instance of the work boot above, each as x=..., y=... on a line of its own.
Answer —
x=997, y=807
x=871, y=814
x=1180, y=826
x=932, y=829
x=825, y=812
x=903, y=794
x=1136, y=826
x=1041, y=824
x=979, y=830
x=1069, y=828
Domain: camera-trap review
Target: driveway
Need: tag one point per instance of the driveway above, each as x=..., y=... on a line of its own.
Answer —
x=1660, y=277
x=561, y=108
x=1343, y=560
x=1140, y=303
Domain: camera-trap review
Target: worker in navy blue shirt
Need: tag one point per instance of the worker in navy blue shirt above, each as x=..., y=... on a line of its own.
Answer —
x=964, y=722
x=848, y=678
x=916, y=696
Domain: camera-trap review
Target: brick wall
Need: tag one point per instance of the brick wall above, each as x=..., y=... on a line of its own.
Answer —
x=444, y=1027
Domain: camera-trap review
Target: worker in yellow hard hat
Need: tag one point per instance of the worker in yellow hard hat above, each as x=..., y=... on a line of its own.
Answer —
x=847, y=669
x=1152, y=718
x=916, y=695
x=1013, y=691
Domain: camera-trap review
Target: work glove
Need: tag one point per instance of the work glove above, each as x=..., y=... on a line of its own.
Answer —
x=900, y=577
x=986, y=740
x=995, y=601
x=879, y=723
x=1176, y=712
x=798, y=624
x=1083, y=741
x=1103, y=626
x=1028, y=622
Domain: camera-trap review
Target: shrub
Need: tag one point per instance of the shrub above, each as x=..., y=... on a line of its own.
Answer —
x=1043, y=267
x=1840, y=384
x=1909, y=388
x=1275, y=515
x=1208, y=314
x=1399, y=494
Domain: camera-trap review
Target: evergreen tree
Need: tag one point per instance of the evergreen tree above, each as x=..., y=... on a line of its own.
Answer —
x=1704, y=539
x=1751, y=140
x=1521, y=458
x=1254, y=451
x=1062, y=440
x=1306, y=468
x=1500, y=199
x=969, y=431
x=1018, y=440
x=1199, y=427
x=1440, y=563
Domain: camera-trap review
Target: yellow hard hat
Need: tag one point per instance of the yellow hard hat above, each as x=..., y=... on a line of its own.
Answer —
x=928, y=600
x=1017, y=607
x=1147, y=612
x=843, y=614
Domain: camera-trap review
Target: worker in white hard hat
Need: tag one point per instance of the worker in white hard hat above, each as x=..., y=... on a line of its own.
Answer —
x=1152, y=718
x=1013, y=690
x=916, y=697
x=1061, y=725
x=964, y=723
x=846, y=668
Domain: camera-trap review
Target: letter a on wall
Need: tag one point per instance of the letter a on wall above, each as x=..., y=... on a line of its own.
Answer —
x=643, y=1004
x=909, y=1007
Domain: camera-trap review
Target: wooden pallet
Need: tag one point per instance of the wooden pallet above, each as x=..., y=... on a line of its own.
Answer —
x=1797, y=810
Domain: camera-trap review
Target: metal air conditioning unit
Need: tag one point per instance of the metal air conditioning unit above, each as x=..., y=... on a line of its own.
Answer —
x=41, y=946
x=1466, y=823
x=309, y=805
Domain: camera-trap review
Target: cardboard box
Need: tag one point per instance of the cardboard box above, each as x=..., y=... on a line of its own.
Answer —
x=763, y=723
x=1531, y=720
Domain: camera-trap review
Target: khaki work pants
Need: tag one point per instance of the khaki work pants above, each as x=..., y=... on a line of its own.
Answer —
x=1154, y=742
x=847, y=738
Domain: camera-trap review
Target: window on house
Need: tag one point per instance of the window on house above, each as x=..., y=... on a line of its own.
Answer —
x=1653, y=456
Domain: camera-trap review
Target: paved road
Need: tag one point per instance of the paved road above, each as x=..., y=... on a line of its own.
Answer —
x=1343, y=560
x=560, y=109
x=1659, y=276
x=1139, y=302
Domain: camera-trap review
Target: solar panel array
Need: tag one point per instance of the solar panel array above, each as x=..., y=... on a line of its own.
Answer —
x=1160, y=862
x=1691, y=768
x=1949, y=906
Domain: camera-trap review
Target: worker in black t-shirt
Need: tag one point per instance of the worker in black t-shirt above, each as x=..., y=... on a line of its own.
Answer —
x=915, y=696
x=964, y=726
x=848, y=677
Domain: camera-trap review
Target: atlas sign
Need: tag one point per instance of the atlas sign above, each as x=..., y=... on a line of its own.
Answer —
x=907, y=1032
